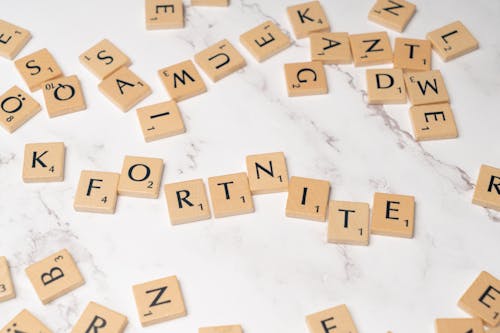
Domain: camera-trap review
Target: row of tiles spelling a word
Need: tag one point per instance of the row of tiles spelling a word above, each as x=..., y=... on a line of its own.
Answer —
x=231, y=194
x=162, y=299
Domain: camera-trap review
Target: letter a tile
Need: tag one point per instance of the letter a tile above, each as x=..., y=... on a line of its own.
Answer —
x=331, y=47
x=97, y=192
x=16, y=108
x=124, y=88
x=482, y=299
x=25, y=322
x=187, y=201
x=334, y=319
x=44, y=162
x=159, y=300
x=54, y=276
x=393, y=215
x=487, y=192
x=97, y=318
x=6, y=285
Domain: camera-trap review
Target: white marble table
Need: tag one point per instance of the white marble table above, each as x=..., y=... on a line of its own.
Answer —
x=262, y=270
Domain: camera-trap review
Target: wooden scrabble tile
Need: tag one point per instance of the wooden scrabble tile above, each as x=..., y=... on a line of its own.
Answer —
x=25, y=322
x=487, y=191
x=6, y=285
x=307, y=18
x=454, y=325
x=230, y=195
x=124, y=88
x=96, y=318
x=482, y=299
x=305, y=78
x=220, y=60
x=218, y=3
x=265, y=40
x=187, y=201
x=16, y=108
x=182, y=80
x=307, y=198
x=38, y=68
x=385, y=86
x=160, y=121
x=12, y=39
x=97, y=192
x=44, y=162
x=348, y=222
x=54, y=276
x=63, y=95
x=103, y=59
x=452, y=41
x=164, y=14
x=159, y=300
x=221, y=329
x=494, y=330
x=331, y=47
x=141, y=177
x=433, y=122
x=393, y=215
x=426, y=87
x=267, y=173
x=337, y=318
x=412, y=54
x=371, y=49
x=392, y=14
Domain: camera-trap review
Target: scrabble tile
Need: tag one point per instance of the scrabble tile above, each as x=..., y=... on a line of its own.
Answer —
x=6, y=285
x=371, y=49
x=97, y=192
x=454, y=325
x=63, y=95
x=307, y=18
x=54, y=276
x=307, y=198
x=452, y=41
x=25, y=322
x=494, y=330
x=334, y=319
x=141, y=177
x=103, y=59
x=230, y=195
x=393, y=215
x=16, y=108
x=221, y=329
x=267, y=173
x=433, y=122
x=331, y=47
x=12, y=39
x=220, y=60
x=482, y=299
x=160, y=121
x=412, y=54
x=187, y=201
x=96, y=318
x=164, y=14
x=44, y=162
x=265, y=41
x=487, y=191
x=385, y=86
x=392, y=14
x=124, y=88
x=159, y=300
x=182, y=80
x=305, y=78
x=426, y=87
x=217, y=3
x=38, y=68
x=348, y=222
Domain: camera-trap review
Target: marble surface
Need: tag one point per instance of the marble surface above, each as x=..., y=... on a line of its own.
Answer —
x=263, y=270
